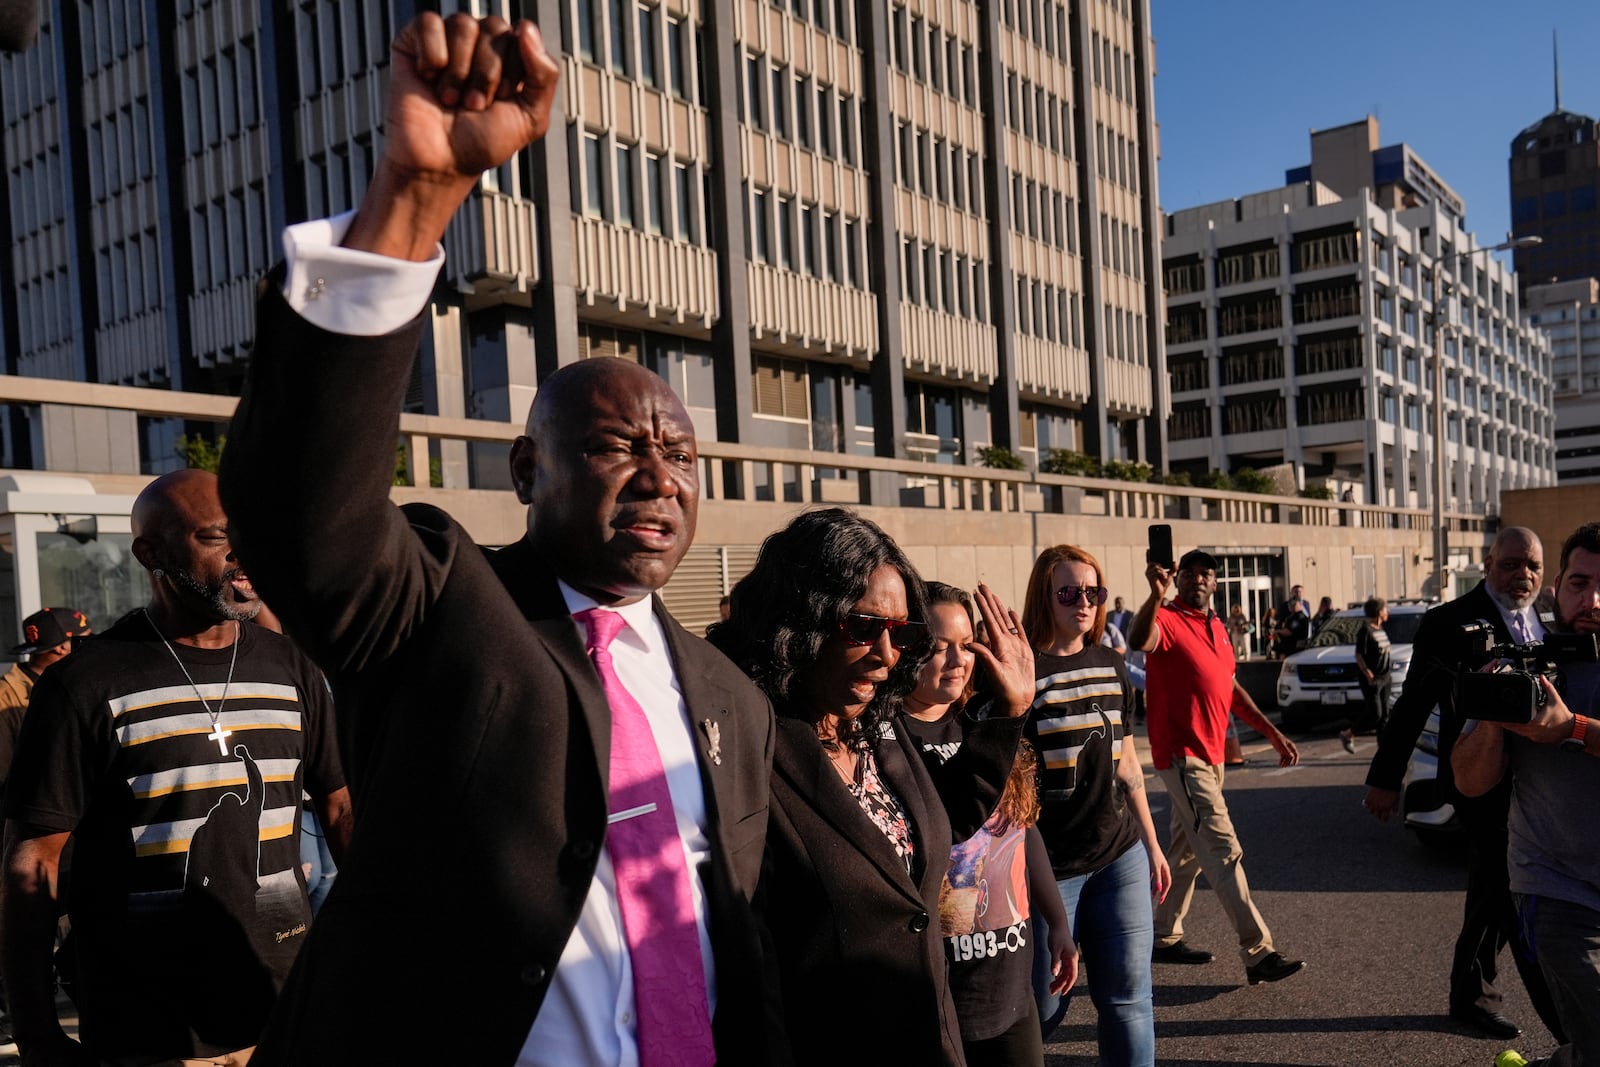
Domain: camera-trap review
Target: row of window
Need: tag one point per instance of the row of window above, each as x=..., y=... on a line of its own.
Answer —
x=920, y=49
x=1043, y=213
x=119, y=150
x=1121, y=247
x=1124, y=336
x=1044, y=22
x=800, y=108
x=128, y=276
x=1113, y=69
x=107, y=32
x=39, y=193
x=1049, y=312
x=836, y=17
x=339, y=40
x=943, y=280
x=230, y=237
x=1038, y=114
x=803, y=238
x=220, y=97
x=938, y=168
x=627, y=185
x=639, y=41
x=1556, y=204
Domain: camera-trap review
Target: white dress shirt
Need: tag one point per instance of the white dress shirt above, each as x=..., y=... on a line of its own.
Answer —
x=587, y=1018
x=1533, y=628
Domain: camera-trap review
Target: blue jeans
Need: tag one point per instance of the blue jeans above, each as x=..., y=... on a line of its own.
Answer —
x=1114, y=927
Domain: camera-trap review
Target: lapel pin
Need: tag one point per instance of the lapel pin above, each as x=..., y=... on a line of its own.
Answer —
x=714, y=740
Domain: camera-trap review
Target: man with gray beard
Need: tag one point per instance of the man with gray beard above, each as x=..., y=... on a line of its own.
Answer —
x=1504, y=600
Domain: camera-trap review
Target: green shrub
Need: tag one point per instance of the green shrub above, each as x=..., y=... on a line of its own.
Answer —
x=1250, y=480
x=1066, y=461
x=200, y=453
x=1317, y=492
x=1000, y=458
x=1214, y=479
x=1176, y=478
x=1124, y=471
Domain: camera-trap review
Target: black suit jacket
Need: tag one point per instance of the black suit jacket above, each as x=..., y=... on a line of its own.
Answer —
x=857, y=938
x=1436, y=657
x=475, y=729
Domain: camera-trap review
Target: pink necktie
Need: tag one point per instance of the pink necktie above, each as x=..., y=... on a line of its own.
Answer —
x=672, y=1014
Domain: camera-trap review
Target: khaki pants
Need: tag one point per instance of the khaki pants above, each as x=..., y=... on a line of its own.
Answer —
x=1203, y=840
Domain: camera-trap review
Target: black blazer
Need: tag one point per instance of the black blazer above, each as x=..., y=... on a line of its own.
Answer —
x=857, y=943
x=475, y=731
x=1436, y=657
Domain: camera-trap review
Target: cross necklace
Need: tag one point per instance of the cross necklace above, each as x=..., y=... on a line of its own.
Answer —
x=217, y=734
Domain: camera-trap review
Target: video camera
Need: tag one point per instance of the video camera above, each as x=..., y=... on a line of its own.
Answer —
x=1511, y=692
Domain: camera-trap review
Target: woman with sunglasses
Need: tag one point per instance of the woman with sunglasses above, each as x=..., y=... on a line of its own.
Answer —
x=999, y=875
x=1095, y=816
x=831, y=624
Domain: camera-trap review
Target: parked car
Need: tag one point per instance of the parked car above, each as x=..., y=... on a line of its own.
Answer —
x=1317, y=684
x=1429, y=816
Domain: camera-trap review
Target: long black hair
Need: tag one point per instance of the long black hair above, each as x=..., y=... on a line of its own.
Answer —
x=806, y=578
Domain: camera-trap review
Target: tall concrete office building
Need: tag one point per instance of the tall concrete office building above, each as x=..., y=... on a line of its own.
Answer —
x=896, y=229
x=1300, y=332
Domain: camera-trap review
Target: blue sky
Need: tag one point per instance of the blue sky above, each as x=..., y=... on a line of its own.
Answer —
x=1241, y=83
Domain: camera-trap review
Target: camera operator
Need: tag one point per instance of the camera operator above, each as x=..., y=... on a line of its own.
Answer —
x=1512, y=573
x=1553, y=854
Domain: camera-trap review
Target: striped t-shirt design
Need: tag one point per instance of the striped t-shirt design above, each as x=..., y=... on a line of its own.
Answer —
x=1072, y=709
x=211, y=800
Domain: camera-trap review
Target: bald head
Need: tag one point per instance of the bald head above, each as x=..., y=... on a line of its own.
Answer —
x=170, y=497
x=1514, y=567
x=180, y=535
x=610, y=472
x=563, y=396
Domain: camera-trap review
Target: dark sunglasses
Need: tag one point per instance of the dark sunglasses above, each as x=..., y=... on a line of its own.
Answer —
x=859, y=629
x=1093, y=595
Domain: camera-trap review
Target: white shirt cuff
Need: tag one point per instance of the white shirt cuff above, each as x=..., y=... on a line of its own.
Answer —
x=344, y=290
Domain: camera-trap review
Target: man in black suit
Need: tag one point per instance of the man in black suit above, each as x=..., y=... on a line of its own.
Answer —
x=485, y=890
x=1504, y=599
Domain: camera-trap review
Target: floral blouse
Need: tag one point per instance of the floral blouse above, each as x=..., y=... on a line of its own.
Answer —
x=883, y=808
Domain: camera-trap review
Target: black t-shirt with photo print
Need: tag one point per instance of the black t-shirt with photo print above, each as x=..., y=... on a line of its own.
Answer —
x=186, y=896
x=983, y=905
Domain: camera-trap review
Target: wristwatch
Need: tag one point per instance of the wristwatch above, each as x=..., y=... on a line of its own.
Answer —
x=1580, y=727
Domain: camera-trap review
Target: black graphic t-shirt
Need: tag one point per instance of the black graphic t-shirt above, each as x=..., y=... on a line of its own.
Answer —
x=187, y=899
x=1077, y=725
x=983, y=906
x=1372, y=648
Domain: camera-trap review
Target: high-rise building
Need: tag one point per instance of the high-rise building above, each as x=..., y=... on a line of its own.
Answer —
x=1555, y=195
x=899, y=229
x=1300, y=334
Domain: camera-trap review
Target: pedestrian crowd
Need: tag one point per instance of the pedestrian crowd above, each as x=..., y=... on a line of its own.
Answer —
x=868, y=818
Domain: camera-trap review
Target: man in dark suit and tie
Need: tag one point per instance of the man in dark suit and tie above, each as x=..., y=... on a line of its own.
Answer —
x=1504, y=600
x=561, y=795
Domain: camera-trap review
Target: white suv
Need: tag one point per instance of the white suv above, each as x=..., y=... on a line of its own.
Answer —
x=1317, y=683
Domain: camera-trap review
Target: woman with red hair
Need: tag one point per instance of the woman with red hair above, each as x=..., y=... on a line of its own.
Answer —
x=1095, y=817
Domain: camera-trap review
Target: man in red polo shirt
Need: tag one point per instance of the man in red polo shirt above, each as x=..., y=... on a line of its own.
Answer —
x=1190, y=689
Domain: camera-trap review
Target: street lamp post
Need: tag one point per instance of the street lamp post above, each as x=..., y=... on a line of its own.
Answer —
x=1441, y=536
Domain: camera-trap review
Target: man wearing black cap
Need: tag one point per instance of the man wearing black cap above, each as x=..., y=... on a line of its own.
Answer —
x=1191, y=689
x=47, y=638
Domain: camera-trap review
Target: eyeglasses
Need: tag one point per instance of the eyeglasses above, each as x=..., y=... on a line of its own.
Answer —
x=1093, y=595
x=859, y=629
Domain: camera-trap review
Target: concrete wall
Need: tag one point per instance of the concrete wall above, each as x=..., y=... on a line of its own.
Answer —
x=1552, y=514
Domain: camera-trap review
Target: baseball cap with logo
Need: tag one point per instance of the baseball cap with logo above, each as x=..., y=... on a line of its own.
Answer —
x=48, y=628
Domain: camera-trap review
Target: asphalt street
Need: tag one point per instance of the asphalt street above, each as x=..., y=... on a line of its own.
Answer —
x=1372, y=911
